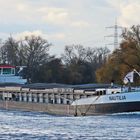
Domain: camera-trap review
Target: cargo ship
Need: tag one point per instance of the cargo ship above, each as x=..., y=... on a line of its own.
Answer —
x=71, y=100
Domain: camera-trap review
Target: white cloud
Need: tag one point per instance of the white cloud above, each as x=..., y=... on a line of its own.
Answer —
x=62, y=22
x=61, y=16
x=55, y=15
x=129, y=11
x=130, y=14
x=80, y=24
x=20, y=11
x=58, y=36
x=22, y=7
x=20, y=36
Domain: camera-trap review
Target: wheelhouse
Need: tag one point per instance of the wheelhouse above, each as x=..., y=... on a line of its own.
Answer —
x=7, y=70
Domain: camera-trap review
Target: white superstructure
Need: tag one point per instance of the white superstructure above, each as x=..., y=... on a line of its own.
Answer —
x=110, y=96
x=7, y=75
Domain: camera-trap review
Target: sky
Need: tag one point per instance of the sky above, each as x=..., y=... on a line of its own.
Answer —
x=67, y=22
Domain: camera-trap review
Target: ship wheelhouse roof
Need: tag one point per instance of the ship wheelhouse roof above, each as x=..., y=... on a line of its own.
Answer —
x=6, y=66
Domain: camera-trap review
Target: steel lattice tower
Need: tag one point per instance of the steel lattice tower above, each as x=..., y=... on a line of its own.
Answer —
x=115, y=35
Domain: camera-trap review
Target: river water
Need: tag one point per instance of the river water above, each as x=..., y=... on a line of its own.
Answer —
x=17, y=125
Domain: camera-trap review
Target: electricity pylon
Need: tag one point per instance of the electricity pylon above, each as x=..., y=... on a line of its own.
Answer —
x=115, y=35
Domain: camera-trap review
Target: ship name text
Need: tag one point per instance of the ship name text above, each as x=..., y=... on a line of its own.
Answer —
x=117, y=98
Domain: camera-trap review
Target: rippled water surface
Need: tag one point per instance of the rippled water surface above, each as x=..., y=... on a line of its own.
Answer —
x=16, y=125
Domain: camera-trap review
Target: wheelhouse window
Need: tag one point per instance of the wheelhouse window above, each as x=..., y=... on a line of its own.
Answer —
x=12, y=71
x=6, y=70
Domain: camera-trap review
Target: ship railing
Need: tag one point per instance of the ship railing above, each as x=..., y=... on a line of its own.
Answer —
x=133, y=89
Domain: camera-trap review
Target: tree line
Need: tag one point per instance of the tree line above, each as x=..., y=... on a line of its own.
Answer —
x=77, y=64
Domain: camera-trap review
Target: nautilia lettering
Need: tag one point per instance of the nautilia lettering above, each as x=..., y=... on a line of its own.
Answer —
x=117, y=98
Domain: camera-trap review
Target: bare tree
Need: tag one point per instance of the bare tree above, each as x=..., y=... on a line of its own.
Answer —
x=74, y=54
x=34, y=51
x=82, y=62
x=9, y=51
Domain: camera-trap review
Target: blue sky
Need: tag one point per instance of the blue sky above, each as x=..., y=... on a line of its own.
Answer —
x=66, y=22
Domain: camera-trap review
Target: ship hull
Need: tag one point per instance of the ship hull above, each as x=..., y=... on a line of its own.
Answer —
x=55, y=109
x=70, y=110
x=94, y=105
x=107, y=104
x=108, y=108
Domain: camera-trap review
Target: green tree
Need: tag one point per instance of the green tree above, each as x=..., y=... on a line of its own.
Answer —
x=50, y=72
